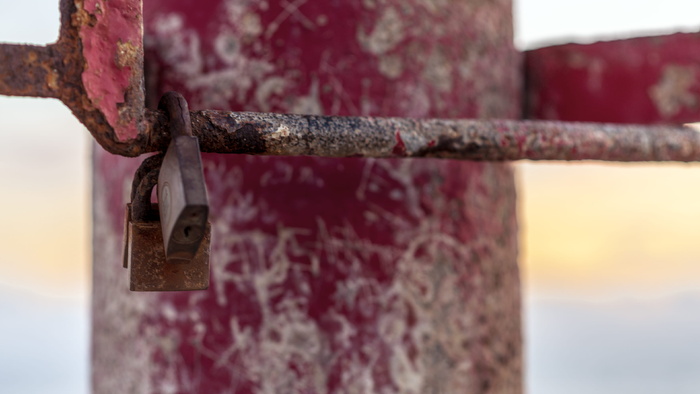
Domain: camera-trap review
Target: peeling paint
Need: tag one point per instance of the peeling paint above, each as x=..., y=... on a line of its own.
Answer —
x=282, y=132
x=244, y=19
x=673, y=91
x=643, y=80
x=438, y=70
x=391, y=66
x=127, y=54
x=267, y=88
x=309, y=104
x=180, y=46
x=227, y=47
x=335, y=275
x=386, y=34
x=112, y=46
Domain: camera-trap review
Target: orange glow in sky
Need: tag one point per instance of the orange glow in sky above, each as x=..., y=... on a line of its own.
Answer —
x=44, y=162
x=610, y=229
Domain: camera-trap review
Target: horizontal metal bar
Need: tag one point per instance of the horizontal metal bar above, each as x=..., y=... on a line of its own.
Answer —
x=493, y=140
x=99, y=76
x=28, y=70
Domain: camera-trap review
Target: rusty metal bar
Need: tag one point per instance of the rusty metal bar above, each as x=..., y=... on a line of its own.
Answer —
x=37, y=76
x=96, y=69
x=493, y=140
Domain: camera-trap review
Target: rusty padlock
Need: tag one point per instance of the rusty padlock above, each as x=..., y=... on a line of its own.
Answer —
x=182, y=193
x=144, y=253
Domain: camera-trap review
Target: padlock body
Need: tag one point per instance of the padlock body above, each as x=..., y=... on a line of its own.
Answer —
x=148, y=268
x=182, y=197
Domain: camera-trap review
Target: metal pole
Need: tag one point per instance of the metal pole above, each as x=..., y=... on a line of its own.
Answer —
x=328, y=275
x=464, y=139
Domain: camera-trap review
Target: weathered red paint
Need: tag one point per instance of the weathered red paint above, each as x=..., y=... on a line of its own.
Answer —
x=112, y=41
x=463, y=139
x=400, y=147
x=253, y=54
x=329, y=275
x=639, y=80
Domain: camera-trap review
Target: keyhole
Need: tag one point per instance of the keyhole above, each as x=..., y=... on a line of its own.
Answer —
x=187, y=231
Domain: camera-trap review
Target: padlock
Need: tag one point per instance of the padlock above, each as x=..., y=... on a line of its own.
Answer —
x=144, y=254
x=182, y=193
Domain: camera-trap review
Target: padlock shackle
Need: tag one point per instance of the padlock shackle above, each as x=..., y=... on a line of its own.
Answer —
x=141, y=208
x=149, y=164
x=178, y=114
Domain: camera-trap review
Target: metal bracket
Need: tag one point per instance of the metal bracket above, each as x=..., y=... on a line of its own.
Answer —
x=95, y=68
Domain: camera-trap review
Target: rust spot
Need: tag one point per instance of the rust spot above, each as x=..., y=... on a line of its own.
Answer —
x=27, y=70
x=105, y=98
x=448, y=145
x=217, y=129
x=81, y=17
x=250, y=139
x=51, y=77
x=127, y=55
x=148, y=269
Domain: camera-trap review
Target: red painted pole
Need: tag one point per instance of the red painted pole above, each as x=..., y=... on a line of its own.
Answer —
x=329, y=275
x=640, y=80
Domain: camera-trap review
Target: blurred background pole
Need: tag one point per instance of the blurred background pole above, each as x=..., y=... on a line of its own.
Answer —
x=328, y=275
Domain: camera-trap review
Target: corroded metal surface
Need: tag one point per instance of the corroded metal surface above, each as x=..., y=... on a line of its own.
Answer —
x=640, y=80
x=28, y=70
x=328, y=275
x=495, y=140
x=149, y=270
x=111, y=40
x=139, y=207
x=95, y=68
